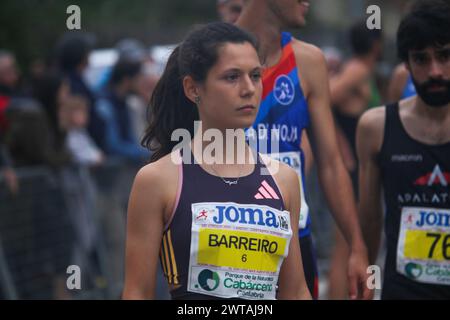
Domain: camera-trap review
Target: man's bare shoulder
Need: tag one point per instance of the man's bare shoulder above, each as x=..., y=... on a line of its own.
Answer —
x=312, y=67
x=374, y=118
x=308, y=52
x=371, y=127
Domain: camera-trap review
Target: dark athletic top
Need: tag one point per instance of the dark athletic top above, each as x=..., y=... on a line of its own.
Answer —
x=415, y=179
x=225, y=240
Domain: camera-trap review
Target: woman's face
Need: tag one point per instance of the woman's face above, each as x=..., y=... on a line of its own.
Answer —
x=231, y=93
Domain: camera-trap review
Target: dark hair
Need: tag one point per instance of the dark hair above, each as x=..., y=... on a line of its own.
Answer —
x=169, y=107
x=45, y=90
x=362, y=38
x=73, y=49
x=29, y=138
x=124, y=69
x=427, y=24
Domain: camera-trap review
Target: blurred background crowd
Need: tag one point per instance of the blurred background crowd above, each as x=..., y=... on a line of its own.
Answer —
x=73, y=108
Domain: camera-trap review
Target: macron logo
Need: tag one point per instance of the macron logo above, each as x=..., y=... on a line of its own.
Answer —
x=265, y=191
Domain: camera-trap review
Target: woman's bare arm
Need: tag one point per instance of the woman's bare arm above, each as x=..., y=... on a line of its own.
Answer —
x=147, y=209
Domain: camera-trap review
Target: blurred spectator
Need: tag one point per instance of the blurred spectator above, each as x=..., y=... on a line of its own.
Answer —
x=131, y=50
x=119, y=137
x=29, y=136
x=7, y=172
x=74, y=117
x=9, y=75
x=9, y=79
x=138, y=101
x=38, y=68
x=229, y=10
x=128, y=49
x=67, y=136
x=51, y=90
x=73, y=52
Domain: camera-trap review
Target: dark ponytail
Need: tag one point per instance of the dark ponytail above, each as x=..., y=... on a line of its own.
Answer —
x=169, y=107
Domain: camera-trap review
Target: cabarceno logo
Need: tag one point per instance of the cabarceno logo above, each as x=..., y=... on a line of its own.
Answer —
x=208, y=280
x=413, y=270
x=230, y=283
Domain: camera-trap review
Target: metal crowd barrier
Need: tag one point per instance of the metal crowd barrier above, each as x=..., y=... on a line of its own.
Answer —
x=70, y=216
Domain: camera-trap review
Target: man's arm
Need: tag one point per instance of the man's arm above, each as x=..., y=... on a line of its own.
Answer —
x=369, y=139
x=333, y=176
x=292, y=283
x=397, y=83
x=307, y=151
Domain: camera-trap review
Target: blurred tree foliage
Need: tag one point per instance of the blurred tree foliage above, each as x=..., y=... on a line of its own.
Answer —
x=31, y=28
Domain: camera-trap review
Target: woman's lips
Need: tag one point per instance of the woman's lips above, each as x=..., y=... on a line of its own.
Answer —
x=247, y=108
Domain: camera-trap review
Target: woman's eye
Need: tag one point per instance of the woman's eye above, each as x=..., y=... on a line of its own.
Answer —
x=256, y=76
x=232, y=77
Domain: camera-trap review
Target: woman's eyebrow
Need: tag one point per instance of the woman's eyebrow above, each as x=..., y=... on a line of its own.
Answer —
x=236, y=69
x=232, y=70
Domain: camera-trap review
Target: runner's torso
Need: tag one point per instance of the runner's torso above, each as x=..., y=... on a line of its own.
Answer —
x=284, y=108
x=225, y=241
x=416, y=180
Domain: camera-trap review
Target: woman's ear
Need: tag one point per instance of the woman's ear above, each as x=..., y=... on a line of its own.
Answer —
x=190, y=89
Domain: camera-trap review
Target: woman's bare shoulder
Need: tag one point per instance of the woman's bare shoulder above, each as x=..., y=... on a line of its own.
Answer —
x=160, y=169
x=159, y=177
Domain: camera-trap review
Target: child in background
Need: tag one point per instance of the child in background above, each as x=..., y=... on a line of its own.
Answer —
x=74, y=118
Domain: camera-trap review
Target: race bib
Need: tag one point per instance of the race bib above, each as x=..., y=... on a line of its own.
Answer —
x=423, y=251
x=293, y=160
x=237, y=250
